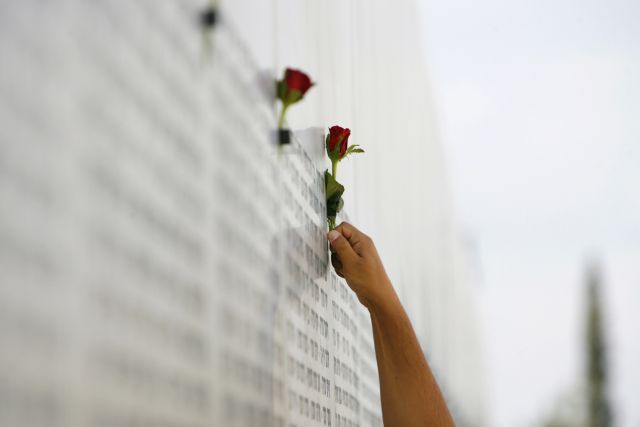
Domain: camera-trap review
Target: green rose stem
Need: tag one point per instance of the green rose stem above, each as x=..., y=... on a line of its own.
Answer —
x=334, y=173
x=282, y=115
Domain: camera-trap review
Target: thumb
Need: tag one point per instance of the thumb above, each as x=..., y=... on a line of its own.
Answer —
x=342, y=246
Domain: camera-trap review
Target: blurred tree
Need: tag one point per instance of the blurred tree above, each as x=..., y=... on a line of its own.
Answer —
x=598, y=411
x=587, y=405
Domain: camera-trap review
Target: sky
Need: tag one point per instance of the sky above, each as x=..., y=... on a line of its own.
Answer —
x=538, y=105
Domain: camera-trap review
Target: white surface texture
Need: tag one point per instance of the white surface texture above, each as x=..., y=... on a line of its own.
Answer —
x=162, y=263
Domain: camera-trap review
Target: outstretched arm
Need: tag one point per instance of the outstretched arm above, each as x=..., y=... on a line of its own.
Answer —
x=409, y=393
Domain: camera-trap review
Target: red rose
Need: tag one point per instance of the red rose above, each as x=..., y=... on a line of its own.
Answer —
x=344, y=143
x=337, y=142
x=293, y=86
x=338, y=148
x=297, y=80
x=291, y=89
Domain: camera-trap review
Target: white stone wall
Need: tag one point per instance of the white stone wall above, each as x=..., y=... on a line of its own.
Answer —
x=163, y=264
x=368, y=61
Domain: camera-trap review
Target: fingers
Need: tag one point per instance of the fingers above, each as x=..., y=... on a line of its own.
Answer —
x=348, y=230
x=342, y=247
x=337, y=264
x=357, y=239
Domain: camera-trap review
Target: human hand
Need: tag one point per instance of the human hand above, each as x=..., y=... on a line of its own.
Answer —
x=355, y=258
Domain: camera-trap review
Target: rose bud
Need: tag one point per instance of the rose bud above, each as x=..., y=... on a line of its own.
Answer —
x=293, y=86
x=291, y=89
x=337, y=142
x=338, y=148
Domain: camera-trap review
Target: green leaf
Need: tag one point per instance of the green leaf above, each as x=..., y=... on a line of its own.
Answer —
x=354, y=149
x=334, y=206
x=334, y=191
x=331, y=186
x=281, y=90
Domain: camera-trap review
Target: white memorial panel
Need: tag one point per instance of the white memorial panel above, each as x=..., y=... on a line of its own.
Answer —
x=162, y=262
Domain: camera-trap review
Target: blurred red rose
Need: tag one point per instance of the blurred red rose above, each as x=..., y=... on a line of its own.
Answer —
x=297, y=80
x=293, y=86
x=291, y=89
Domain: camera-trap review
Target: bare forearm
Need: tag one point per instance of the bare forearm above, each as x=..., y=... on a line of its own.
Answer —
x=409, y=393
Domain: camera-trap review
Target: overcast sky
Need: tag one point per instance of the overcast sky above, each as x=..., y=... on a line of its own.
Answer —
x=539, y=105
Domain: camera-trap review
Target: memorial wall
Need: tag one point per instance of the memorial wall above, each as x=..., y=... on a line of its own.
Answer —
x=164, y=263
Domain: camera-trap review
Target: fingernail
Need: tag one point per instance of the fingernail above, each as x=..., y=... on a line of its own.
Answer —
x=333, y=235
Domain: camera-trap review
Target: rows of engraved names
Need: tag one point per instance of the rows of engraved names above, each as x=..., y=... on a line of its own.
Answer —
x=245, y=180
x=195, y=262
x=320, y=310
x=308, y=346
x=141, y=228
